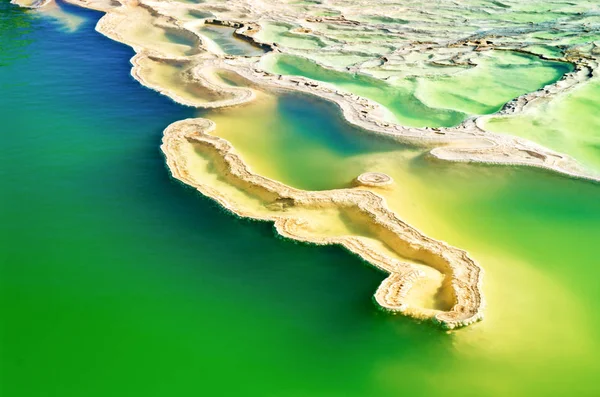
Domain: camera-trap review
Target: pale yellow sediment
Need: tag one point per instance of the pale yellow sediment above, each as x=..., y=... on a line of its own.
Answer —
x=145, y=24
x=31, y=3
x=356, y=218
x=307, y=216
x=373, y=179
x=184, y=86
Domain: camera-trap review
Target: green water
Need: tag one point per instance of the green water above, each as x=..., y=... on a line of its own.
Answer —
x=307, y=145
x=229, y=44
x=442, y=101
x=116, y=280
x=282, y=35
x=309, y=148
x=569, y=124
x=534, y=233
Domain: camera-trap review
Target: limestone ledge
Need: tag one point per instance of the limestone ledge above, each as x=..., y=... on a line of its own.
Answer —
x=463, y=276
x=244, y=31
x=227, y=95
x=467, y=142
x=374, y=179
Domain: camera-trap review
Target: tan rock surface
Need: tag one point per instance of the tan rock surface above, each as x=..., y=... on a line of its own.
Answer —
x=462, y=275
x=187, y=70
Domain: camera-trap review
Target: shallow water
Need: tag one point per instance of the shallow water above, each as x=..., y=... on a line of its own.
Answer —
x=437, y=101
x=282, y=34
x=227, y=42
x=178, y=77
x=569, y=124
x=532, y=231
x=119, y=281
x=142, y=30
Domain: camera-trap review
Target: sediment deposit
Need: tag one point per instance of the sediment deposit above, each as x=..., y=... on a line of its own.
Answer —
x=292, y=211
x=374, y=179
x=31, y=3
x=388, y=42
x=279, y=27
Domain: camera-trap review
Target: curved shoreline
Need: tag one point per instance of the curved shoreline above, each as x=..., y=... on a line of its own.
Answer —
x=467, y=143
x=33, y=4
x=463, y=276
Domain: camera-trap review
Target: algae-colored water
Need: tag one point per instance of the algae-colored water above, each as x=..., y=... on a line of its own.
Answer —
x=569, y=124
x=436, y=102
x=116, y=280
x=282, y=34
x=532, y=231
x=224, y=37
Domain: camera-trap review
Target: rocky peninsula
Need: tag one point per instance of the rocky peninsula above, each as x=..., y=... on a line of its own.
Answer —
x=174, y=58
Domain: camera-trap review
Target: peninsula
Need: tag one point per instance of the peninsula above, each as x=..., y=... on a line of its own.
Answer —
x=225, y=54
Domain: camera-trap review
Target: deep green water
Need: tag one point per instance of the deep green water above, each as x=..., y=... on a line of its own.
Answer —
x=117, y=281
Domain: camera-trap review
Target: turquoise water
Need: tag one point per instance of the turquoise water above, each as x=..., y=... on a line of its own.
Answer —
x=116, y=280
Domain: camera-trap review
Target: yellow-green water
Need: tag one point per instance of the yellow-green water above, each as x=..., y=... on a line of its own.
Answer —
x=116, y=280
x=436, y=101
x=533, y=232
x=282, y=34
x=569, y=124
x=227, y=42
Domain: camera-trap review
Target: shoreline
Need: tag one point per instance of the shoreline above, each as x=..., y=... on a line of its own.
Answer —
x=463, y=276
x=32, y=4
x=466, y=142
x=479, y=146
